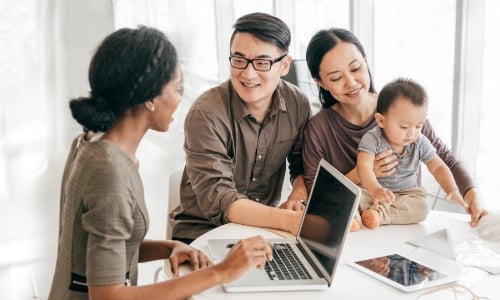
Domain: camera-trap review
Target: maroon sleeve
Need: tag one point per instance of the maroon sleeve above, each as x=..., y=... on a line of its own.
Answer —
x=312, y=152
x=330, y=137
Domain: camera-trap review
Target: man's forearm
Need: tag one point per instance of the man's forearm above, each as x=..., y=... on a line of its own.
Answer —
x=248, y=212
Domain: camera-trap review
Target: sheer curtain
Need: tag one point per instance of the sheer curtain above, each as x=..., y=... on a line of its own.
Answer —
x=71, y=33
x=46, y=47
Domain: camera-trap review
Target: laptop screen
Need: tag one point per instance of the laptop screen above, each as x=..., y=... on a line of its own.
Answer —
x=328, y=216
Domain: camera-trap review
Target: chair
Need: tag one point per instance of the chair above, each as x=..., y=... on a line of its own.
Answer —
x=292, y=75
x=174, y=198
x=300, y=76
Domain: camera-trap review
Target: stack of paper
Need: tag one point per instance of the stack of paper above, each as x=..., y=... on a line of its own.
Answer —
x=477, y=247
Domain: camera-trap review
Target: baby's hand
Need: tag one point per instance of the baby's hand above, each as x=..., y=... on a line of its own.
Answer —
x=383, y=195
x=455, y=196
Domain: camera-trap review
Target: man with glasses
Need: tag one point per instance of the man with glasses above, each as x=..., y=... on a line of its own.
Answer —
x=239, y=136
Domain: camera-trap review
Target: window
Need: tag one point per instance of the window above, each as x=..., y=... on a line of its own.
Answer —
x=416, y=39
x=403, y=38
x=190, y=25
x=305, y=18
x=488, y=160
x=311, y=16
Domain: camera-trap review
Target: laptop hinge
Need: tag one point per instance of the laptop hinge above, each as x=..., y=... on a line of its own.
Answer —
x=314, y=263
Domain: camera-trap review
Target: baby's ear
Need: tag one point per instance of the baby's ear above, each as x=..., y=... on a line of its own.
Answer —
x=380, y=119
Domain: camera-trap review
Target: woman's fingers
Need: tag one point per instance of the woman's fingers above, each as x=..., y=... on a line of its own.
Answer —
x=247, y=253
x=385, y=163
x=195, y=257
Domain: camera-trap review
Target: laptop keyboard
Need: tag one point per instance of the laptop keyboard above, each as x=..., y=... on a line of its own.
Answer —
x=285, y=264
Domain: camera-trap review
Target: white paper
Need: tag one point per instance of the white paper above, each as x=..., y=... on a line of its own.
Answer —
x=479, y=246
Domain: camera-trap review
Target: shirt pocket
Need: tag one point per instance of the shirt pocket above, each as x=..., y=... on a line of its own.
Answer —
x=277, y=154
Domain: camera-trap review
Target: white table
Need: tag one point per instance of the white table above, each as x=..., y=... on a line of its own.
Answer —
x=349, y=283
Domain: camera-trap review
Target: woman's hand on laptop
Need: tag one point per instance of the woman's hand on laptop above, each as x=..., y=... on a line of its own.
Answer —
x=247, y=253
x=184, y=253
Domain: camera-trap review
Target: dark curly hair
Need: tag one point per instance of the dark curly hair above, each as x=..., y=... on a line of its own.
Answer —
x=129, y=67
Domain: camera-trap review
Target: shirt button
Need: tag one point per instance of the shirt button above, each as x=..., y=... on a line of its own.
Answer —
x=253, y=179
x=260, y=156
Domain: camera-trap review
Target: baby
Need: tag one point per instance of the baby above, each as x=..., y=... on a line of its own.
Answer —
x=397, y=199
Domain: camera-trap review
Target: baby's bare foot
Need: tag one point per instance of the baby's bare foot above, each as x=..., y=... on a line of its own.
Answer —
x=370, y=218
x=355, y=225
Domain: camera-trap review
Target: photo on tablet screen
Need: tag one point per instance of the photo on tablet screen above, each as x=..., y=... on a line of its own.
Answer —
x=402, y=273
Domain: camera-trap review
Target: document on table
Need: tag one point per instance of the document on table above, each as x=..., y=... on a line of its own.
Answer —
x=472, y=247
x=477, y=247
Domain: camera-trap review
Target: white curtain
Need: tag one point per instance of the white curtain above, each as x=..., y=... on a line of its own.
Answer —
x=72, y=31
x=45, y=50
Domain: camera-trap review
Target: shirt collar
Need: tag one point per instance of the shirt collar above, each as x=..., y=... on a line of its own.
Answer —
x=240, y=111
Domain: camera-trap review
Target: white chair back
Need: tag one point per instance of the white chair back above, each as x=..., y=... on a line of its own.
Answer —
x=174, y=197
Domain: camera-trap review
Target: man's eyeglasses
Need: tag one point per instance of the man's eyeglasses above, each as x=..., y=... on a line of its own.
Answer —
x=259, y=64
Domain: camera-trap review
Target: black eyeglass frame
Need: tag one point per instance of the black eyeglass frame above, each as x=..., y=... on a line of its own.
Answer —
x=250, y=61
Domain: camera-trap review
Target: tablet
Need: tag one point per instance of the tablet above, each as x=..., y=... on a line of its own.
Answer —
x=402, y=273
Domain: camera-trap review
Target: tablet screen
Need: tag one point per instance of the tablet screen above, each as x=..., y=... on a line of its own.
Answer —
x=407, y=273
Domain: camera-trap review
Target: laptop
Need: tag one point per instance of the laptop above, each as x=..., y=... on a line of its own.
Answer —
x=308, y=261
